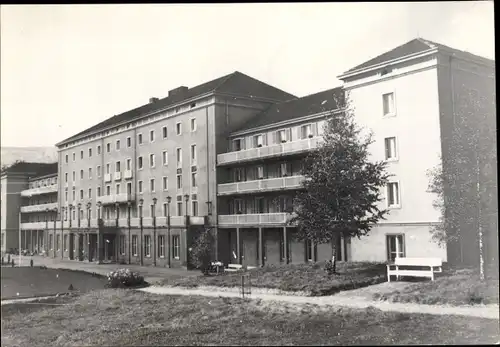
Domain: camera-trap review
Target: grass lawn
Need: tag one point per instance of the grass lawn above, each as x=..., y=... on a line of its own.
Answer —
x=309, y=278
x=36, y=281
x=119, y=317
x=454, y=287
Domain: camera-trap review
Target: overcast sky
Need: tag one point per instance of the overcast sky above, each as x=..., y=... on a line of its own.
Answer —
x=65, y=68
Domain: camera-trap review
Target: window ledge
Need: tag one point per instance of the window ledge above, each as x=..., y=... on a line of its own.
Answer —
x=394, y=207
x=392, y=160
x=389, y=115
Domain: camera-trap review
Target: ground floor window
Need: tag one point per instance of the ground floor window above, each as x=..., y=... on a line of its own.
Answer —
x=134, y=245
x=161, y=246
x=51, y=242
x=395, y=246
x=122, y=244
x=176, y=245
x=147, y=245
x=309, y=250
x=65, y=243
x=58, y=242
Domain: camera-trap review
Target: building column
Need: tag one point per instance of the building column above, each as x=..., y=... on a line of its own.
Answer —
x=238, y=245
x=261, y=255
x=285, y=245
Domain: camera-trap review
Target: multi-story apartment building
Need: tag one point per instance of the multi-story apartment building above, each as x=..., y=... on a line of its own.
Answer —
x=257, y=178
x=408, y=97
x=136, y=187
x=26, y=187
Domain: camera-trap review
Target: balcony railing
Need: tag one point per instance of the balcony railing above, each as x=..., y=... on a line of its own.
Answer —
x=107, y=177
x=127, y=174
x=40, y=190
x=254, y=219
x=279, y=149
x=270, y=184
x=118, y=176
x=39, y=208
x=115, y=198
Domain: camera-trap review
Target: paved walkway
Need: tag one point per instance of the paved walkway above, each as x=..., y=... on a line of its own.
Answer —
x=483, y=311
x=151, y=274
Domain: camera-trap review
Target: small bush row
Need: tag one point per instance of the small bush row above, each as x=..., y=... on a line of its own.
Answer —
x=124, y=278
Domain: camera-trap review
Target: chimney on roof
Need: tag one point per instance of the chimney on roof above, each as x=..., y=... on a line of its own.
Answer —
x=153, y=100
x=177, y=91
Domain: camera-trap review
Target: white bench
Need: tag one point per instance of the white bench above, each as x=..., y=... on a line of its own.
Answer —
x=434, y=265
x=237, y=267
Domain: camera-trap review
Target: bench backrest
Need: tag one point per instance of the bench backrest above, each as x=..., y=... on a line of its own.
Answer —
x=234, y=266
x=419, y=261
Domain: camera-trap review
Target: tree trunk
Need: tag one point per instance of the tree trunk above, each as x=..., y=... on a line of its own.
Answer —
x=334, y=255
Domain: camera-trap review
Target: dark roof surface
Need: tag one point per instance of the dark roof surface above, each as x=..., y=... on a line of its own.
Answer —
x=234, y=83
x=32, y=169
x=417, y=45
x=296, y=108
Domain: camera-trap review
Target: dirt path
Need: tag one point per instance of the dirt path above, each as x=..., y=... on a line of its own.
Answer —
x=483, y=311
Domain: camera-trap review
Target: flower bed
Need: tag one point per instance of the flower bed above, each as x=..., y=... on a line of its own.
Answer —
x=124, y=278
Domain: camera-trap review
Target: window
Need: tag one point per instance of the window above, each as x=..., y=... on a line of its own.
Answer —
x=179, y=181
x=152, y=160
x=129, y=142
x=193, y=154
x=239, y=174
x=139, y=138
x=161, y=246
x=395, y=247
x=98, y=191
x=73, y=193
x=118, y=166
x=65, y=243
x=179, y=157
x=193, y=124
x=179, y=208
x=66, y=177
x=165, y=183
x=237, y=145
x=193, y=179
x=81, y=194
x=108, y=147
x=129, y=164
x=178, y=128
x=260, y=172
x=390, y=148
x=164, y=132
x=393, y=194
x=151, y=135
x=117, y=145
x=152, y=210
x=165, y=157
x=194, y=211
x=129, y=188
x=258, y=141
x=306, y=131
x=281, y=136
x=152, y=185
x=74, y=156
x=140, y=186
x=134, y=245
x=66, y=196
x=90, y=193
x=74, y=176
x=284, y=169
x=388, y=101
x=98, y=171
x=67, y=159
x=118, y=189
x=147, y=246
x=98, y=150
x=81, y=174
x=122, y=244
x=139, y=163
x=81, y=154
x=108, y=168
x=176, y=246
x=90, y=173
x=58, y=242
x=108, y=190
x=309, y=250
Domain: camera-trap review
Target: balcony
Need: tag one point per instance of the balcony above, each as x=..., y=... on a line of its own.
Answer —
x=36, y=225
x=275, y=150
x=115, y=198
x=107, y=177
x=254, y=219
x=118, y=176
x=39, y=190
x=39, y=208
x=265, y=185
x=127, y=174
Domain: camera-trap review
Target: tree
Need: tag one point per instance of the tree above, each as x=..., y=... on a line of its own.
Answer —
x=341, y=192
x=201, y=253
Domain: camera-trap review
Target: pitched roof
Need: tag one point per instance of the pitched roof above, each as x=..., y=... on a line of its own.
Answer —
x=234, y=83
x=296, y=108
x=31, y=169
x=414, y=46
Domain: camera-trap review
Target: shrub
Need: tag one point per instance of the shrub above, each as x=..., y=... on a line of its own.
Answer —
x=201, y=254
x=124, y=278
